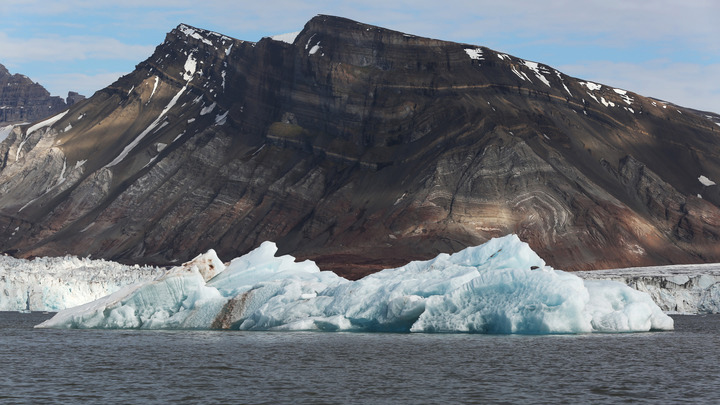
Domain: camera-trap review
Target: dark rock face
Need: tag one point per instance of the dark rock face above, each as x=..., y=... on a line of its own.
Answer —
x=22, y=100
x=74, y=97
x=360, y=148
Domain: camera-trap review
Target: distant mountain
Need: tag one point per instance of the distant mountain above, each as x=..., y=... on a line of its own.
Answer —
x=22, y=100
x=361, y=148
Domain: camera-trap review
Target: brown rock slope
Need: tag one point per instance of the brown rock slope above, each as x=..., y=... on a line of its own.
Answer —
x=361, y=148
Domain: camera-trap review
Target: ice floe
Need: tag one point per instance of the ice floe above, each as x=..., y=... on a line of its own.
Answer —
x=501, y=286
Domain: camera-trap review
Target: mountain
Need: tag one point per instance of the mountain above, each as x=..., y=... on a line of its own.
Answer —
x=22, y=100
x=360, y=148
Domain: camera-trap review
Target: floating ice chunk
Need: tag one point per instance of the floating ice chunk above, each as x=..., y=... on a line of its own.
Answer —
x=499, y=287
x=705, y=181
x=615, y=307
x=515, y=300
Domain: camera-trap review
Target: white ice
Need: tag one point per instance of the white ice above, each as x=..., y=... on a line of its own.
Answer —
x=686, y=289
x=499, y=287
x=51, y=284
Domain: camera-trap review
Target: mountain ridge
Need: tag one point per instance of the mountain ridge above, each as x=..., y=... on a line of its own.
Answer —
x=361, y=148
x=22, y=100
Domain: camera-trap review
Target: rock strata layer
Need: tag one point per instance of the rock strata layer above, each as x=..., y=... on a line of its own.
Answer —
x=360, y=148
x=22, y=100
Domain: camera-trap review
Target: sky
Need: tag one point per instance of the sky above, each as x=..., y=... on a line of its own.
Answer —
x=667, y=49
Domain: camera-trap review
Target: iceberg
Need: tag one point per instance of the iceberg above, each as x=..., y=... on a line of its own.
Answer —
x=501, y=286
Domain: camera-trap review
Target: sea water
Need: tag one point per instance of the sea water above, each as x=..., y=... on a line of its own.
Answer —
x=130, y=366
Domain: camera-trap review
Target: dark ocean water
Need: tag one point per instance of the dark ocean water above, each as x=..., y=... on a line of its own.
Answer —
x=119, y=366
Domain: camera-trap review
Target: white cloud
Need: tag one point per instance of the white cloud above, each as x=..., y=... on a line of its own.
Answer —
x=54, y=48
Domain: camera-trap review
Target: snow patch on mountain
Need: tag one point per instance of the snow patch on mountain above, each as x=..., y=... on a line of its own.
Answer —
x=147, y=130
x=314, y=49
x=190, y=67
x=535, y=67
x=591, y=86
x=705, y=181
x=5, y=131
x=208, y=109
x=623, y=94
x=288, y=37
x=475, y=54
x=157, y=79
x=47, y=123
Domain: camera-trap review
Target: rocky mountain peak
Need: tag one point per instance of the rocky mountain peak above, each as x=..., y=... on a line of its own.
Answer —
x=361, y=148
x=22, y=100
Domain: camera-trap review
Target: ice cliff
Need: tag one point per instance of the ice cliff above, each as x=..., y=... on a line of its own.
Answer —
x=499, y=287
x=683, y=289
x=51, y=284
